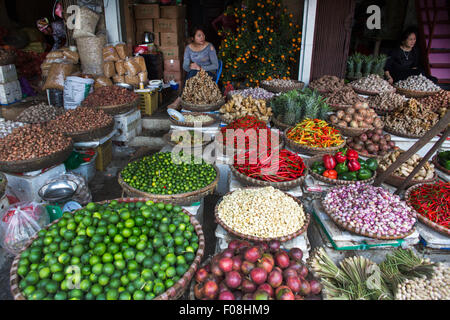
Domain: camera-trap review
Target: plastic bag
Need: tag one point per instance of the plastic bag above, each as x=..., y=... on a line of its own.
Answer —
x=108, y=69
x=132, y=66
x=120, y=67
x=71, y=55
x=57, y=74
x=121, y=49
x=88, y=22
x=56, y=54
x=20, y=223
x=119, y=79
x=143, y=76
x=141, y=61
x=133, y=80
x=110, y=54
x=102, y=81
x=76, y=89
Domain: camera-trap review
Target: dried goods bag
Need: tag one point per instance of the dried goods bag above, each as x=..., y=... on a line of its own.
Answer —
x=102, y=81
x=20, y=223
x=76, y=89
x=120, y=67
x=90, y=50
x=71, y=55
x=85, y=26
x=132, y=67
x=133, y=80
x=119, y=78
x=141, y=61
x=109, y=69
x=57, y=74
x=110, y=54
x=121, y=49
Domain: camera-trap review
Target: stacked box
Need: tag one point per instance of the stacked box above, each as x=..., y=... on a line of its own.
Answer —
x=171, y=30
x=145, y=15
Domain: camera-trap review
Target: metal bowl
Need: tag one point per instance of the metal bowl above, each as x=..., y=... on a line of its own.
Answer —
x=59, y=190
x=125, y=85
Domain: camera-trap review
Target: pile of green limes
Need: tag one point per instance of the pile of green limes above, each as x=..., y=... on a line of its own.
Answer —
x=110, y=251
x=158, y=174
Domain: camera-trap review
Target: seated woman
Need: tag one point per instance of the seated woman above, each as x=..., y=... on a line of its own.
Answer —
x=403, y=61
x=200, y=54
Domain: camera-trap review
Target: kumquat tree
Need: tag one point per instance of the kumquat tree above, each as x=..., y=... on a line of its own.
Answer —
x=264, y=46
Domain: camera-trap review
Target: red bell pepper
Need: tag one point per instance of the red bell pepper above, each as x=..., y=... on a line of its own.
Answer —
x=340, y=157
x=328, y=161
x=352, y=155
x=353, y=165
x=331, y=174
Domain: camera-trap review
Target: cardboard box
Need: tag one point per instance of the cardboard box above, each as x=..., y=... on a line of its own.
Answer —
x=146, y=11
x=174, y=52
x=172, y=65
x=177, y=76
x=145, y=25
x=172, y=12
x=171, y=39
x=169, y=25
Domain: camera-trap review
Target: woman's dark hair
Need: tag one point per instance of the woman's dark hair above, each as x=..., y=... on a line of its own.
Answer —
x=197, y=28
x=405, y=34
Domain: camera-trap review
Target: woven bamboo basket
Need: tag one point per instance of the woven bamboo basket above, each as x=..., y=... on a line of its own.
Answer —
x=309, y=150
x=346, y=226
x=191, y=124
x=277, y=89
x=425, y=220
x=173, y=293
x=316, y=176
x=186, y=198
x=3, y=184
x=339, y=106
x=351, y=132
x=253, y=238
x=92, y=134
x=397, y=181
x=366, y=155
x=227, y=121
x=251, y=182
x=414, y=93
x=279, y=124
x=119, y=108
x=438, y=165
x=202, y=107
x=37, y=163
x=402, y=134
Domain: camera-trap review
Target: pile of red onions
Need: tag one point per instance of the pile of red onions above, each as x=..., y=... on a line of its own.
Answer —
x=370, y=209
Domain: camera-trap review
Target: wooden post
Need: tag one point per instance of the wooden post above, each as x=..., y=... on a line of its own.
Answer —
x=130, y=30
x=423, y=161
x=441, y=125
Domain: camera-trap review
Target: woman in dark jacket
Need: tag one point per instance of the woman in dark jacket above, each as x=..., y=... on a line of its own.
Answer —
x=403, y=61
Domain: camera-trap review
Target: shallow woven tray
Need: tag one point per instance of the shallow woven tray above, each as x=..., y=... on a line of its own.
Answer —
x=321, y=92
x=166, y=138
x=317, y=176
x=309, y=150
x=186, y=198
x=424, y=220
x=397, y=181
x=276, y=89
x=286, y=185
x=351, y=132
x=191, y=124
x=414, y=93
x=348, y=227
x=439, y=166
x=401, y=134
x=92, y=134
x=119, y=108
x=279, y=124
x=202, y=107
x=339, y=106
x=37, y=163
x=369, y=93
x=253, y=238
x=173, y=293
x=3, y=184
x=366, y=155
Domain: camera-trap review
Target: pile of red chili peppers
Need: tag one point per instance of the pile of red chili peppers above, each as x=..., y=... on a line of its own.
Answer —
x=290, y=166
x=245, y=124
x=432, y=202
